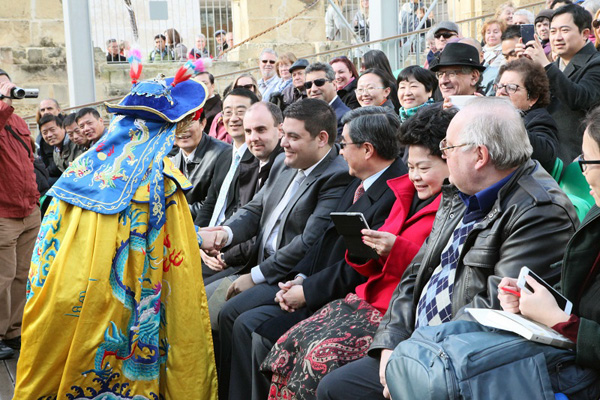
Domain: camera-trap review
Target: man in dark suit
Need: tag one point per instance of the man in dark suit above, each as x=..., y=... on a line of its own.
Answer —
x=320, y=84
x=235, y=177
x=288, y=215
x=370, y=147
x=574, y=77
x=262, y=124
x=197, y=160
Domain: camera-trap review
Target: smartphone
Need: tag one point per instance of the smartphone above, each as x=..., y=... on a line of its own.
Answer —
x=349, y=225
x=561, y=300
x=527, y=33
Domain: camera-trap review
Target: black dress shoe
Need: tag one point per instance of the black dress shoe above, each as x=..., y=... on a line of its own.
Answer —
x=14, y=343
x=5, y=351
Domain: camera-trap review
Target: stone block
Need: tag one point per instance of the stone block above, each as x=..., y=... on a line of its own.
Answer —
x=6, y=56
x=19, y=56
x=15, y=33
x=18, y=10
x=35, y=56
x=48, y=9
x=48, y=32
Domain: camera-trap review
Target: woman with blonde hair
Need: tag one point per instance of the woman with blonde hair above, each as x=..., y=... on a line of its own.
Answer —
x=505, y=12
x=282, y=68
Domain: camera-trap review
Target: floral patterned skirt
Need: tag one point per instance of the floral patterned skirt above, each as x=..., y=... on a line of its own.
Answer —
x=339, y=333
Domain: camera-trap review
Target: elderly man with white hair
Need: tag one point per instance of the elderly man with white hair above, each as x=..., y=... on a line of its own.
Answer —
x=523, y=17
x=500, y=212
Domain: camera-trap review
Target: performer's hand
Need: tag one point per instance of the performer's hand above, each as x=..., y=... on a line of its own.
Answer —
x=213, y=239
x=383, y=361
x=215, y=263
x=381, y=242
x=244, y=282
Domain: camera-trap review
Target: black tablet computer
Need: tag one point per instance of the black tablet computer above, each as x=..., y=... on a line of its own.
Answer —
x=349, y=225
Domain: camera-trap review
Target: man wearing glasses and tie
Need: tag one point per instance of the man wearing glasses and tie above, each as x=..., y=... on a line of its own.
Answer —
x=269, y=80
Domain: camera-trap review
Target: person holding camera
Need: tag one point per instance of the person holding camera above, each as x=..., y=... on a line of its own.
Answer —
x=19, y=217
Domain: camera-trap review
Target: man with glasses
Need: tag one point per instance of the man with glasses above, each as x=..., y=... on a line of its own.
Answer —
x=499, y=213
x=510, y=38
x=269, y=79
x=574, y=77
x=458, y=70
x=112, y=52
x=320, y=84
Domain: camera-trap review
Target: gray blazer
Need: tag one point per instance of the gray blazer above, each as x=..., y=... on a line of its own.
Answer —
x=304, y=219
x=202, y=172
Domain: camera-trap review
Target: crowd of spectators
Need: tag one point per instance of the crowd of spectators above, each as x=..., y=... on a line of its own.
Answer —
x=454, y=165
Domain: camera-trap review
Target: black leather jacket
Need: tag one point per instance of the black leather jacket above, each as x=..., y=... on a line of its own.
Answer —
x=529, y=224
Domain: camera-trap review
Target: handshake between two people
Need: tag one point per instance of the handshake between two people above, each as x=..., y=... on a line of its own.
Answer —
x=213, y=239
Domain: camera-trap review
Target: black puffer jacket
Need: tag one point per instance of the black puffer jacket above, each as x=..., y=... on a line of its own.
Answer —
x=529, y=224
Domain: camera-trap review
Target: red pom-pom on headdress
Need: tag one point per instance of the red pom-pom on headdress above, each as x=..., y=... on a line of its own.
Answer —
x=191, y=68
x=135, y=65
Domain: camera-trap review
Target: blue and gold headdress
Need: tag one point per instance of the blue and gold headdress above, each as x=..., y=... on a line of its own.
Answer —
x=131, y=153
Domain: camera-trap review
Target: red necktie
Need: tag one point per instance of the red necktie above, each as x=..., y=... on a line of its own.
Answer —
x=360, y=190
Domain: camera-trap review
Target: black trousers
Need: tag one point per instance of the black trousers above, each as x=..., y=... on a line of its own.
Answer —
x=260, y=295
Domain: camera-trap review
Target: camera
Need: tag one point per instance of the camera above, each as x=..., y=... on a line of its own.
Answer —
x=20, y=93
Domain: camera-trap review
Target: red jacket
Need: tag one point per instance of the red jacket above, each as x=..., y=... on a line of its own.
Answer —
x=18, y=189
x=384, y=273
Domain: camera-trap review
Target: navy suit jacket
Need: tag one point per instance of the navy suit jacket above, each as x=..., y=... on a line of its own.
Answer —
x=340, y=110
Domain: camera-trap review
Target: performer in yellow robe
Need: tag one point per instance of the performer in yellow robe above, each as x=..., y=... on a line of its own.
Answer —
x=116, y=304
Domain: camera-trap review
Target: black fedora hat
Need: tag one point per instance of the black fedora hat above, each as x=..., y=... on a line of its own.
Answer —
x=458, y=54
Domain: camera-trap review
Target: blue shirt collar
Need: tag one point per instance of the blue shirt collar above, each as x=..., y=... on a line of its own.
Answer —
x=481, y=202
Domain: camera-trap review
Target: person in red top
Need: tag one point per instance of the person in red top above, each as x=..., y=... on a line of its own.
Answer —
x=19, y=218
x=342, y=330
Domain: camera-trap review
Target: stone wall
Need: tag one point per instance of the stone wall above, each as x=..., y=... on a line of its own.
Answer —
x=32, y=49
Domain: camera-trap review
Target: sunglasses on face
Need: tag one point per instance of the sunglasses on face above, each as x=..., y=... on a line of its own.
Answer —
x=596, y=23
x=317, y=82
x=445, y=35
x=268, y=61
x=249, y=86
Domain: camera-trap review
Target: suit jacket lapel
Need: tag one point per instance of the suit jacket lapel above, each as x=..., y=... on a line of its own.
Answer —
x=232, y=196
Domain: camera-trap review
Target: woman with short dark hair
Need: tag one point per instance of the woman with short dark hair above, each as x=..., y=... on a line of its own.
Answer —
x=526, y=85
x=415, y=89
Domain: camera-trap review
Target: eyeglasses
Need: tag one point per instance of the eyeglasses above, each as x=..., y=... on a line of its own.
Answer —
x=249, y=86
x=344, y=144
x=368, y=90
x=240, y=112
x=268, y=61
x=451, y=73
x=596, y=23
x=511, y=88
x=444, y=146
x=317, y=82
x=583, y=163
x=445, y=35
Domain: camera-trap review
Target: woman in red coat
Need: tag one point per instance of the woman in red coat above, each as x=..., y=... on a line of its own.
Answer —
x=341, y=331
